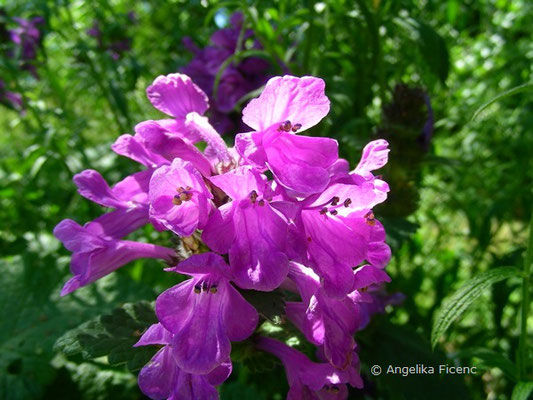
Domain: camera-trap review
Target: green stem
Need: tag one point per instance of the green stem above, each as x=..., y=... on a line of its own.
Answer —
x=522, y=344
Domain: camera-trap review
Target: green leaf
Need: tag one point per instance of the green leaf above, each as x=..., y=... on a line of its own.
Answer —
x=270, y=305
x=489, y=359
x=431, y=45
x=113, y=335
x=507, y=93
x=522, y=390
x=38, y=316
x=456, y=305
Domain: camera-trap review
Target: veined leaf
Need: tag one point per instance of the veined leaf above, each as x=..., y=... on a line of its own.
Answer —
x=457, y=304
x=522, y=390
x=489, y=359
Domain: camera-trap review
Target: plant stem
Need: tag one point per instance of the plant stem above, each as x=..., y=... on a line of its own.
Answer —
x=522, y=344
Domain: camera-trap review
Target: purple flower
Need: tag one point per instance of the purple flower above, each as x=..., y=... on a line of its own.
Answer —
x=95, y=251
x=327, y=321
x=237, y=79
x=11, y=99
x=204, y=313
x=309, y=380
x=179, y=198
x=250, y=229
x=287, y=105
x=161, y=378
x=27, y=36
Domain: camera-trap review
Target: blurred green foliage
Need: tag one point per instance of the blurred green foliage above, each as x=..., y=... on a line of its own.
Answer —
x=469, y=194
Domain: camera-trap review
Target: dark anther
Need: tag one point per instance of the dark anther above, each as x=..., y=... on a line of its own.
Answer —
x=176, y=201
x=253, y=196
x=197, y=289
x=205, y=288
x=333, y=212
x=334, y=389
x=370, y=218
x=296, y=127
x=285, y=126
x=323, y=211
x=261, y=202
x=213, y=289
x=379, y=176
x=363, y=289
x=347, y=202
x=335, y=200
x=188, y=188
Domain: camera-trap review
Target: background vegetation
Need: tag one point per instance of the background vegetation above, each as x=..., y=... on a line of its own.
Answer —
x=460, y=204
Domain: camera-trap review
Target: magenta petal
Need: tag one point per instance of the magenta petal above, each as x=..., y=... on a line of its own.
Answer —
x=240, y=182
x=219, y=232
x=252, y=152
x=155, y=334
x=130, y=146
x=93, y=186
x=174, y=306
x=205, y=263
x=379, y=254
x=375, y=156
x=300, y=163
x=288, y=98
x=168, y=183
x=220, y=373
x=240, y=317
x=257, y=256
x=177, y=95
x=202, y=344
x=170, y=146
x=368, y=275
x=157, y=378
x=193, y=387
x=201, y=127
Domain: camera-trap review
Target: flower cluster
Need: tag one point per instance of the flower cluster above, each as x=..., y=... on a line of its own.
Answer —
x=238, y=78
x=113, y=38
x=278, y=211
x=22, y=44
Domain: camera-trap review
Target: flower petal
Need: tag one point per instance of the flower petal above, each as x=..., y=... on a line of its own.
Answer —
x=288, y=98
x=156, y=378
x=177, y=95
x=240, y=317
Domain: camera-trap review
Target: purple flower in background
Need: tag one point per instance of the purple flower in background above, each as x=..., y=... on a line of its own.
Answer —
x=112, y=37
x=10, y=99
x=27, y=36
x=161, y=378
x=204, y=313
x=309, y=380
x=95, y=251
x=237, y=79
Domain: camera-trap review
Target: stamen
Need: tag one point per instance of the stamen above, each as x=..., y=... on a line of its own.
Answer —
x=205, y=288
x=347, y=202
x=333, y=212
x=253, y=196
x=335, y=200
x=370, y=218
x=213, y=289
x=323, y=211
x=197, y=289
x=363, y=289
x=296, y=127
x=285, y=126
x=176, y=201
x=261, y=202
